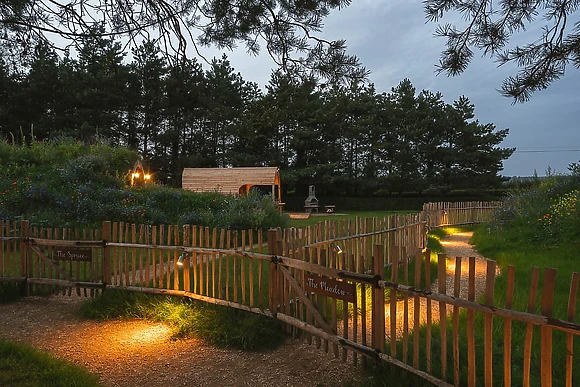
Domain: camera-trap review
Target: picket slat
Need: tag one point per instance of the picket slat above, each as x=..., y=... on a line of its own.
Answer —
x=573, y=296
x=455, y=323
x=471, y=363
x=429, y=317
x=547, y=305
x=527, y=361
x=138, y=260
x=488, y=324
x=416, y=311
x=507, y=328
x=442, y=289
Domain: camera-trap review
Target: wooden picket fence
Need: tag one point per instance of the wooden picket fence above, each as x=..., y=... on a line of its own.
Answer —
x=443, y=214
x=379, y=280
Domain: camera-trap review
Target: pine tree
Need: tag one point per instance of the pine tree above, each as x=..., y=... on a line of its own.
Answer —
x=289, y=31
x=489, y=26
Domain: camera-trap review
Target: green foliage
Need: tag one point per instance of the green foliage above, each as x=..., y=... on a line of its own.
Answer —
x=289, y=30
x=508, y=247
x=435, y=235
x=60, y=183
x=434, y=239
x=114, y=304
x=540, y=61
x=384, y=375
x=536, y=227
x=229, y=327
x=10, y=292
x=69, y=184
x=217, y=325
x=348, y=139
x=547, y=214
x=22, y=365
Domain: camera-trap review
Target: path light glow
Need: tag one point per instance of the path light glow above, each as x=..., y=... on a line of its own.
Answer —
x=149, y=334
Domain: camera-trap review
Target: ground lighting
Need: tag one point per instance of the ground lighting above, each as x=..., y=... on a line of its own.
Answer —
x=336, y=248
x=181, y=258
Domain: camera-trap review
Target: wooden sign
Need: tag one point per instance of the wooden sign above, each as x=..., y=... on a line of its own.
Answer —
x=63, y=254
x=329, y=287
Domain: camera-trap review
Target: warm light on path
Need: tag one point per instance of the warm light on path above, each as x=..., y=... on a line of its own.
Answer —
x=138, y=335
x=456, y=245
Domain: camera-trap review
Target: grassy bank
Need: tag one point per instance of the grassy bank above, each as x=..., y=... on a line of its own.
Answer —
x=507, y=247
x=25, y=366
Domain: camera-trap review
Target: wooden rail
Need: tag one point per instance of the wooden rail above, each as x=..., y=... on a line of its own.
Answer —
x=385, y=259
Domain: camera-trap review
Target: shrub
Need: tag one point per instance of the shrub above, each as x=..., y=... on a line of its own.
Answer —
x=10, y=292
x=228, y=327
x=70, y=184
x=546, y=214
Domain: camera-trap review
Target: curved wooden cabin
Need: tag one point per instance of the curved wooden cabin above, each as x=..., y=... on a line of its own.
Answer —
x=232, y=181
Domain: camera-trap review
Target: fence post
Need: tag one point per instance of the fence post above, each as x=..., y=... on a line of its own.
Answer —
x=273, y=290
x=548, y=290
x=2, y=270
x=25, y=255
x=106, y=264
x=378, y=301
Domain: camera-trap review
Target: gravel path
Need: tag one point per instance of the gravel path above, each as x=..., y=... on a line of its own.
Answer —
x=456, y=245
x=139, y=353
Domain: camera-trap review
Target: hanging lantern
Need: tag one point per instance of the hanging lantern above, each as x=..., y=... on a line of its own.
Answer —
x=139, y=176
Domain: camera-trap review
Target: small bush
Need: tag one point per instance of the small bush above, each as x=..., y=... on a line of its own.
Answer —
x=113, y=304
x=547, y=214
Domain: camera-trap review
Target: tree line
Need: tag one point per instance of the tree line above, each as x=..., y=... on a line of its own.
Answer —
x=346, y=139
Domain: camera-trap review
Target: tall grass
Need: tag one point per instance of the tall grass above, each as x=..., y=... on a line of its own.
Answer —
x=10, y=291
x=217, y=325
x=519, y=237
x=25, y=366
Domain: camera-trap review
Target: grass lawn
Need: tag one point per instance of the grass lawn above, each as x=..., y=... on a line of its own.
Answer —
x=342, y=215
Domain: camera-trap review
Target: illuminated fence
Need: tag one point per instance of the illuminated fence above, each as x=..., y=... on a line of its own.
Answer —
x=458, y=213
x=356, y=288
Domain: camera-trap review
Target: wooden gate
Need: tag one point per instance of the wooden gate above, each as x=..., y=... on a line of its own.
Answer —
x=325, y=300
x=57, y=260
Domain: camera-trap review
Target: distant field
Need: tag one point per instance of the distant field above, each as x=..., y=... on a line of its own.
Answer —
x=313, y=219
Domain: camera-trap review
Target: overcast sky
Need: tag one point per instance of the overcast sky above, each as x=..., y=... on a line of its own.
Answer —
x=393, y=41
